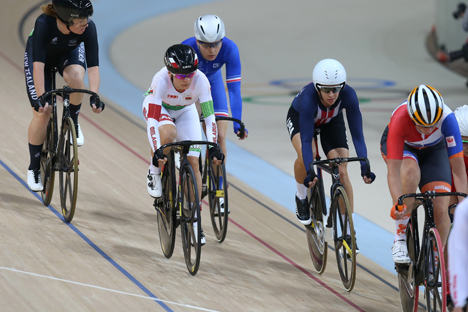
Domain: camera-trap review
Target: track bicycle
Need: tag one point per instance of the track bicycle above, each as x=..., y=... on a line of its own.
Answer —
x=180, y=205
x=339, y=219
x=427, y=265
x=215, y=186
x=60, y=150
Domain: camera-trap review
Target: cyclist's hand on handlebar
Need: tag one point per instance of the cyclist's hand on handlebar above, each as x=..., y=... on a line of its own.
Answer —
x=159, y=159
x=311, y=179
x=96, y=108
x=368, y=179
x=398, y=212
x=238, y=132
x=215, y=152
x=38, y=107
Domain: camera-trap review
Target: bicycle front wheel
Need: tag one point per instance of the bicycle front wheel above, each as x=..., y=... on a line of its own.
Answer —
x=218, y=199
x=190, y=220
x=47, y=164
x=316, y=231
x=166, y=208
x=345, y=241
x=68, y=171
x=435, y=275
x=409, y=291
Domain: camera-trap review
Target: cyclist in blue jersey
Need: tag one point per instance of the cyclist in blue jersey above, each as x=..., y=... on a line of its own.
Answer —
x=320, y=105
x=215, y=50
x=63, y=37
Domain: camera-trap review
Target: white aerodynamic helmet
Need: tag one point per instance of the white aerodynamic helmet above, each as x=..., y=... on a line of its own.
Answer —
x=329, y=72
x=425, y=105
x=209, y=28
x=462, y=118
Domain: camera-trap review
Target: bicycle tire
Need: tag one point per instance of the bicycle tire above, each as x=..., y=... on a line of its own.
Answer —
x=408, y=290
x=166, y=208
x=189, y=214
x=68, y=169
x=435, y=274
x=47, y=164
x=216, y=190
x=345, y=252
x=318, y=247
x=203, y=165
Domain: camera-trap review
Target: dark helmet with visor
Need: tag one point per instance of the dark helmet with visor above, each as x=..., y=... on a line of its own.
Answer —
x=181, y=59
x=68, y=10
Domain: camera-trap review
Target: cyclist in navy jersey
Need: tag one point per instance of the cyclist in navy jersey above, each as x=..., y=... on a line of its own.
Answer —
x=60, y=37
x=320, y=105
x=215, y=50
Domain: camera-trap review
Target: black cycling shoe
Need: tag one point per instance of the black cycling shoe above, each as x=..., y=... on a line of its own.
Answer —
x=348, y=241
x=302, y=211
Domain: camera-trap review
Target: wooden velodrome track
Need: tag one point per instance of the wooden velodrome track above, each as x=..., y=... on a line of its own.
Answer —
x=109, y=257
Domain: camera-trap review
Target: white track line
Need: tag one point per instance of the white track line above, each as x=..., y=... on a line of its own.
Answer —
x=107, y=289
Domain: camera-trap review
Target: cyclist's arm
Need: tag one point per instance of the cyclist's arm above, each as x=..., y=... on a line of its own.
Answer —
x=308, y=110
x=158, y=88
x=38, y=76
x=94, y=78
x=394, y=178
x=354, y=117
x=454, y=145
x=233, y=81
x=457, y=255
x=211, y=129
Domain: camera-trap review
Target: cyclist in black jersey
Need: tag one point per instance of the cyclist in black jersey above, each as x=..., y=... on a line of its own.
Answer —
x=64, y=37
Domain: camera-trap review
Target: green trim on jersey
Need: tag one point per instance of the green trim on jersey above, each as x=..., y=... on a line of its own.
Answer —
x=171, y=107
x=31, y=33
x=207, y=108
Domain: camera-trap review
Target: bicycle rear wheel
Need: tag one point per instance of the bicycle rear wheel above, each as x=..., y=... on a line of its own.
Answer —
x=409, y=291
x=68, y=171
x=166, y=208
x=435, y=276
x=218, y=200
x=345, y=241
x=47, y=164
x=316, y=231
x=190, y=220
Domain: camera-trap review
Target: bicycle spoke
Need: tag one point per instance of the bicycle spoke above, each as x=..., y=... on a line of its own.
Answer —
x=218, y=200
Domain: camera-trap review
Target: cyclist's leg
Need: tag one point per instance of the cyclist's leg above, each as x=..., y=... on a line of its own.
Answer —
x=188, y=128
x=74, y=73
x=38, y=126
x=436, y=176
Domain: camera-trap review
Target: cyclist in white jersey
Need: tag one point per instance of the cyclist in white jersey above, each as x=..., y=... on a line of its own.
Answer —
x=171, y=115
x=458, y=255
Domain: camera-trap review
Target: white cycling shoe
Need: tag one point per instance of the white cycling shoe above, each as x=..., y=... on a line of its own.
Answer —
x=35, y=180
x=153, y=184
x=400, y=252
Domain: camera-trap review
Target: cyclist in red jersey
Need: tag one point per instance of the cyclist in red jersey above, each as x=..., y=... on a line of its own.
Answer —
x=420, y=145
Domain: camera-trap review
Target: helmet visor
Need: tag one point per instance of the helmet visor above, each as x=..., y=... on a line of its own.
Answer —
x=328, y=89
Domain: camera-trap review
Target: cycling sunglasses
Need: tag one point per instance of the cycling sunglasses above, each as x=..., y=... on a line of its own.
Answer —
x=182, y=76
x=334, y=89
x=208, y=45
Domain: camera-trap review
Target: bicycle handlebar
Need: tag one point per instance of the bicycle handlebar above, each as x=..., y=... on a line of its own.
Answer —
x=68, y=90
x=242, y=126
x=340, y=160
x=186, y=144
x=428, y=194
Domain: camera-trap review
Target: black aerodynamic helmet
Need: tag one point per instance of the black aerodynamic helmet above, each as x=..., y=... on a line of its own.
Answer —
x=68, y=10
x=181, y=59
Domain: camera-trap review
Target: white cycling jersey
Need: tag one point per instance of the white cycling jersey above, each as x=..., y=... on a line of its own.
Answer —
x=458, y=255
x=163, y=104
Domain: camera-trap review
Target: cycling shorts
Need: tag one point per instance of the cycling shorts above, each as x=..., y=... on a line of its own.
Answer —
x=433, y=161
x=332, y=134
